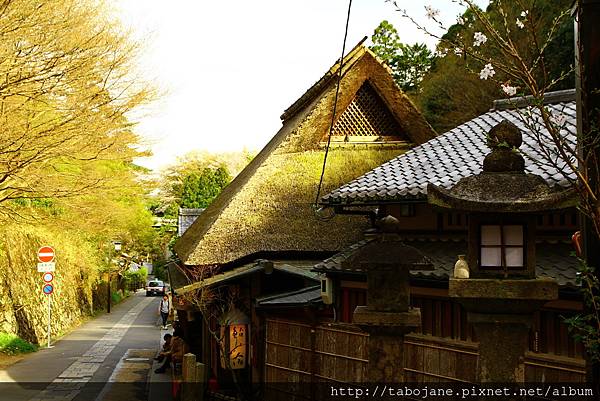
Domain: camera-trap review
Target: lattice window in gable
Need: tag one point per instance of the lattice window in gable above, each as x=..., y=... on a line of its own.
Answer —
x=367, y=116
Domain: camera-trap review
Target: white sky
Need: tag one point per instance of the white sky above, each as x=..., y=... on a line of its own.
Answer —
x=228, y=69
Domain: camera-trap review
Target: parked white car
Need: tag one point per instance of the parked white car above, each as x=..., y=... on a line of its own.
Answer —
x=156, y=287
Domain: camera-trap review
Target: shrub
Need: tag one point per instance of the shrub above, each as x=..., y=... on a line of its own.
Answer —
x=11, y=345
x=116, y=297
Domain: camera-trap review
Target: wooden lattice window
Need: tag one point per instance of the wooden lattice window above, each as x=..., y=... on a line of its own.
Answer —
x=367, y=116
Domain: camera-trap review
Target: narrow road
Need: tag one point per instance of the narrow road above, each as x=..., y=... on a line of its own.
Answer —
x=113, y=348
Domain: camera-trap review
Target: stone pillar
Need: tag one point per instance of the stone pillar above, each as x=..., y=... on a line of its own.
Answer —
x=386, y=341
x=503, y=341
x=188, y=377
x=388, y=316
x=501, y=312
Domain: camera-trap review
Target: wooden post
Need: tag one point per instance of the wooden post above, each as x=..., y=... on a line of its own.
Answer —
x=587, y=73
x=200, y=381
x=188, y=377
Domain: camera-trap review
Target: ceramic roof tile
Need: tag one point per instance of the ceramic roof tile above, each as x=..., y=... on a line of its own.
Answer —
x=453, y=155
x=552, y=260
x=302, y=297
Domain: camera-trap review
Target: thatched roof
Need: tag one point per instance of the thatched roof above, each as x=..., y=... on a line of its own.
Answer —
x=267, y=207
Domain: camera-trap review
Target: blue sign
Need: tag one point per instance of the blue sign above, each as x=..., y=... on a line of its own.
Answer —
x=48, y=288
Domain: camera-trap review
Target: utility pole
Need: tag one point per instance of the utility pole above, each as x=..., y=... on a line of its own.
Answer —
x=587, y=71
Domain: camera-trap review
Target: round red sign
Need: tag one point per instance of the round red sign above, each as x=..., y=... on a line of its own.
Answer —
x=48, y=277
x=46, y=254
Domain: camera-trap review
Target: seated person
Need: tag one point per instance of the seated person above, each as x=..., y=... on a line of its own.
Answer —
x=166, y=348
x=175, y=354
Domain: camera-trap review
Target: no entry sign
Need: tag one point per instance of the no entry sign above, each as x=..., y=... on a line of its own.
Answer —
x=46, y=254
x=48, y=289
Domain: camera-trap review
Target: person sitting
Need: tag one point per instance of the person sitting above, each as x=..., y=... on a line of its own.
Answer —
x=165, y=349
x=175, y=354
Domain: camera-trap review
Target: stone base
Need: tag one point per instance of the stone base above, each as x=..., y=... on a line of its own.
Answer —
x=387, y=323
x=386, y=340
x=499, y=318
x=503, y=296
x=501, y=312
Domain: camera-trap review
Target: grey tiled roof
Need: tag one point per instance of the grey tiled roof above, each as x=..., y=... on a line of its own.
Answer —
x=552, y=260
x=300, y=297
x=300, y=268
x=186, y=218
x=453, y=155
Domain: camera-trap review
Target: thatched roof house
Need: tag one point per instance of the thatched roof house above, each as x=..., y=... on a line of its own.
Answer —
x=267, y=208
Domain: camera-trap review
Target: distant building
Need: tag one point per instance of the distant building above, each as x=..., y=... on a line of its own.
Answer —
x=133, y=267
x=149, y=267
x=186, y=218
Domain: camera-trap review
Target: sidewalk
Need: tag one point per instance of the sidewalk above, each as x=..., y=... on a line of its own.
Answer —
x=159, y=384
x=81, y=363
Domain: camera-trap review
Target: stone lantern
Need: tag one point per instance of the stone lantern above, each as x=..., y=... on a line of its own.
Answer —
x=502, y=291
x=387, y=317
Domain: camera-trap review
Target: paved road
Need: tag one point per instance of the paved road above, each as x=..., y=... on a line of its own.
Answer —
x=115, y=347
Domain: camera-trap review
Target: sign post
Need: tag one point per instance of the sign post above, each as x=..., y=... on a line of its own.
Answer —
x=49, y=317
x=46, y=257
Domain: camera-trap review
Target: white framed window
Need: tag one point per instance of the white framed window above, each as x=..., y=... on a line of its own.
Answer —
x=502, y=246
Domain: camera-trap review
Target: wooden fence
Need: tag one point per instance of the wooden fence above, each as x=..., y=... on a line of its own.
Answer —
x=300, y=358
x=552, y=368
x=435, y=359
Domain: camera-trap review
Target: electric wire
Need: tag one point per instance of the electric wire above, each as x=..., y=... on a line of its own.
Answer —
x=337, y=91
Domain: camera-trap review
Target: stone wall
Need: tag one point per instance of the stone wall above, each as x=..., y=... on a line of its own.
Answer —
x=24, y=308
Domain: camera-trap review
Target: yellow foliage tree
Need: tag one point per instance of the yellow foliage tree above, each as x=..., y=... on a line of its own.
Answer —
x=66, y=88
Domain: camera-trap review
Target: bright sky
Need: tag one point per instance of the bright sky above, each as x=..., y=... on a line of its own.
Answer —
x=228, y=69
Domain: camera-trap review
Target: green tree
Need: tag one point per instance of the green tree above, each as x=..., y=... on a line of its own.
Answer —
x=452, y=91
x=451, y=94
x=198, y=189
x=412, y=64
x=196, y=179
x=386, y=43
x=409, y=63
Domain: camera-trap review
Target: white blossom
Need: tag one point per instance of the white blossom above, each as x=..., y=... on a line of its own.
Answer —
x=559, y=119
x=487, y=72
x=441, y=53
x=524, y=13
x=458, y=51
x=431, y=12
x=479, y=39
x=520, y=24
x=460, y=20
x=509, y=90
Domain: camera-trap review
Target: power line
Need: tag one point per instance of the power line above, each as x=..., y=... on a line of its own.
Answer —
x=337, y=91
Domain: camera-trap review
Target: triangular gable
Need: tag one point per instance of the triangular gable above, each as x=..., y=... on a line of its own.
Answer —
x=367, y=119
x=266, y=208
